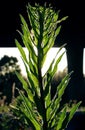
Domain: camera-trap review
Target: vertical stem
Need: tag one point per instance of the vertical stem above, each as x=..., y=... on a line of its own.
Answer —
x=42, y=93
x=40, y=57
x=42, y=101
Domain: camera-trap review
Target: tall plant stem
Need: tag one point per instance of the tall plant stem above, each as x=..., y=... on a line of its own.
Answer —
x=40, y=79
x=45, y=127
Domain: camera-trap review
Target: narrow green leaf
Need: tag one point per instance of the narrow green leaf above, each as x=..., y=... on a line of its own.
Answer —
x=63, y=19
x=57, y=31
x=32, y=116
x=25, y=86
x=48, y=99
x=23, y=21
x=56, y=64
x=70, y=115
x=64, y=81
x=73, y=110
x=32, y=22
x=61, y=118
x=27, y=38
x=21, y=50
x=33, y=82
x=21, y=79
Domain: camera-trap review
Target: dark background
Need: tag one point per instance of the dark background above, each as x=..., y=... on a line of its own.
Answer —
x=73, y=29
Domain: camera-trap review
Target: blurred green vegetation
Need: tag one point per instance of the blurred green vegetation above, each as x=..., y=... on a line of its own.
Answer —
x=8, y=79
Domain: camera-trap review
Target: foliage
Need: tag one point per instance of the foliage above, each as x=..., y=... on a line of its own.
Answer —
x=38, y=108
x=8, y=78
x=8, y=121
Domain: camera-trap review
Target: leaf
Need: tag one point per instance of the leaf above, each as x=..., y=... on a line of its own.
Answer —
x=43, y=60
x=24, y=23
x=50, y=43
x=33, y=67
x=61, y=118
x=27, y=38
x=50, y=69
x=31, y=116
x=57, y=31
x=56, y=64
x=33, y=81
x=21, y=79
x=21, y=50
x=63, y=19
x=32, y=21
x=70, y=115
x=48, y=98
x=64, y=83
x=25, y=86
x=73, y=110
x=54, y=108
x=55, y=103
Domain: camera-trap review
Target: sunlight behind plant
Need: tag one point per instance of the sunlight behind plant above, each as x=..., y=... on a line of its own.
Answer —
x=51, y=54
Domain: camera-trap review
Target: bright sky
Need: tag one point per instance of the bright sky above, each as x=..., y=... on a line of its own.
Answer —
x=15, y=53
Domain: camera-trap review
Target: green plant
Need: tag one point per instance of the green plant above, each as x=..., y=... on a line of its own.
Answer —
x=8, y=121
x=40, y=110
x=8, y=79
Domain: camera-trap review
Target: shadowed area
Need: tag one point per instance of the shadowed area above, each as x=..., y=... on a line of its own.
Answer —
x=72, y=29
